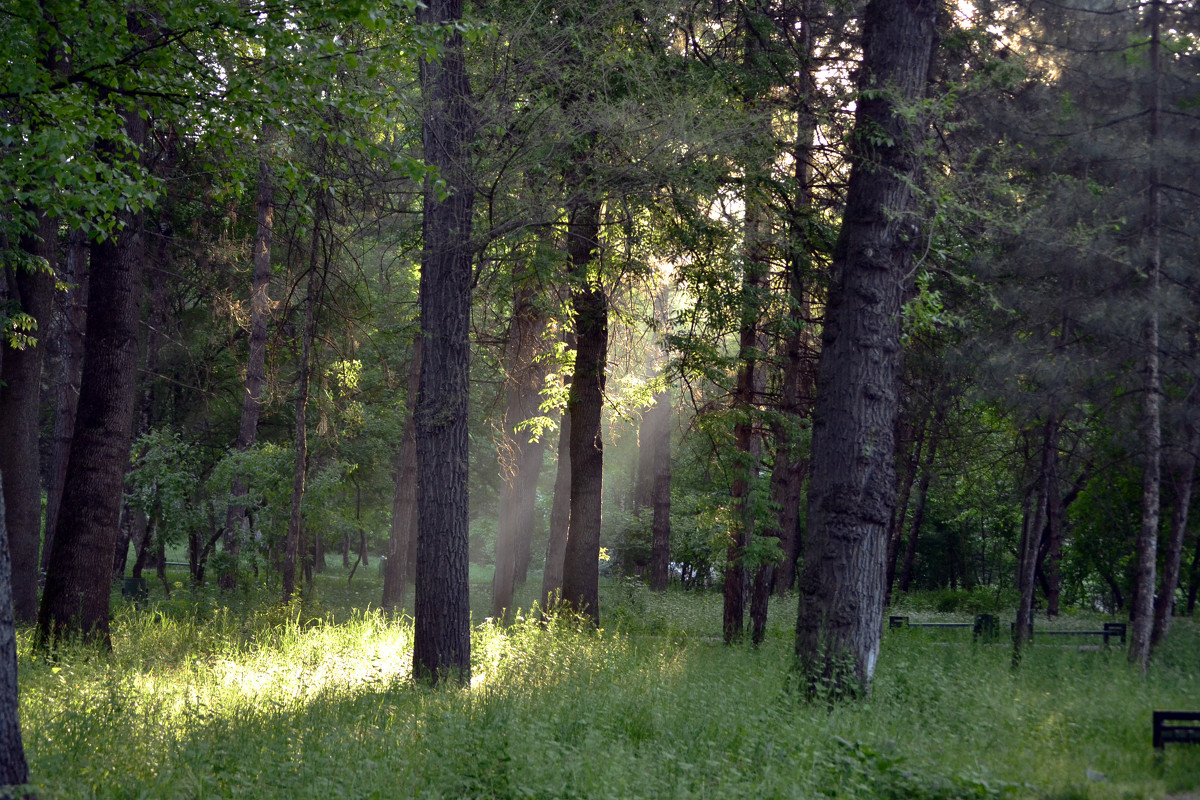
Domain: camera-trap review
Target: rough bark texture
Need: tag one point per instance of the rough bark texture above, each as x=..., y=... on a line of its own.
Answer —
x=14, y=771
x=236, y=521
x=20, y=396
x=402, y=542
x=72, y=324
x=442, y=643
x=852, y=489
x=581, y=564
x=76, y=595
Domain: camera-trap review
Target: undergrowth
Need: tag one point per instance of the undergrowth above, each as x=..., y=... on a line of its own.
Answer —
x=198, y=700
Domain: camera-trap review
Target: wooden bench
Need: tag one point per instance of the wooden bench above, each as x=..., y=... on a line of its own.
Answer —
x=1167, y=728
x=1111, y=629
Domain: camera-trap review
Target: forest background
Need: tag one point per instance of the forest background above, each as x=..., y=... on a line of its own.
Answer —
x=282, y=281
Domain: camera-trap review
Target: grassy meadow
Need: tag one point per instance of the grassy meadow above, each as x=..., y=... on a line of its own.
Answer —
x=206, y=696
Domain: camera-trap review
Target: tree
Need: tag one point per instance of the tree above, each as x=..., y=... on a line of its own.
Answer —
x=442, y=643
x=14, y=771
x=852, y=488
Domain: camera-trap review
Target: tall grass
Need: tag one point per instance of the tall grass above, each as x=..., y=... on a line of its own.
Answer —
x=199, y=701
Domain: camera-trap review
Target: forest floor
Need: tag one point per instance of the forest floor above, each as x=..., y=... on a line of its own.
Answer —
x=208, y=696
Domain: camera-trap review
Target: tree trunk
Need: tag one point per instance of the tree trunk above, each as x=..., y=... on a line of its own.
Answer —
x=1047, y=477
x=520, y=459
x=900, y=512
x=660, y=495
x=442, y=641
x=14, y=771
x=236, y=521
x=581, y=559
x=316, y=285
x=560, y=518
x=20, y=401
x=1147, y=540
x=71, y=345
x=401, y=543
x=76, y=595
x=918, y=518
x=1164, y=604
x=852, y=488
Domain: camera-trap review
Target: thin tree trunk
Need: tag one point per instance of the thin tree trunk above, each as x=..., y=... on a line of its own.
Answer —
x=442, y=639
x=560, y=518
x=1032, y=541
x=900, y=513
x=852, y=486
x=1164, y=604
x=236, y=522
x=581, y=564
x=918, y=519
x=400, y=561
x=76, y=595
x=660, y=496
x=520, y=459
x=1147, y=540
x=293, y=547
x=20, y=400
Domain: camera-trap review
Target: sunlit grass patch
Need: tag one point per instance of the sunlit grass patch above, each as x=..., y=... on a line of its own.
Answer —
x=202, y=701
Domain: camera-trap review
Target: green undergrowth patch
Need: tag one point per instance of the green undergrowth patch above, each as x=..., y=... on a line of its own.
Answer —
x=280, y=703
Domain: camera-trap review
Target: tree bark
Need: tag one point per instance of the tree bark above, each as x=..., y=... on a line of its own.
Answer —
x=1142, y=612
x=560, y=517
x=581, y=559
x=442, y=642
x=402, y=542
x=20, y=401
x=14, y=771
x=852, y=488
x=76, y=596
x=71, y=345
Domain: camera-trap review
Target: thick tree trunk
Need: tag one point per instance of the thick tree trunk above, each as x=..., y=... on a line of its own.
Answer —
x=1142, y=616
x=71, y=345
x=560, y=518
x=14, y=771
x=236, y=521
x=442, y=642
x=852, y=488
x=20, y=400
x=76, y=595
x=401, y=553
x=581, y=560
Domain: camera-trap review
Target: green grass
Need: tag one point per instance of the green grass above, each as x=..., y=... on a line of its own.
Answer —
x=205, y=696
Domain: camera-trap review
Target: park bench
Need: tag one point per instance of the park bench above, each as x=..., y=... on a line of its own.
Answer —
x=1111, y=629
x=1173, y=726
